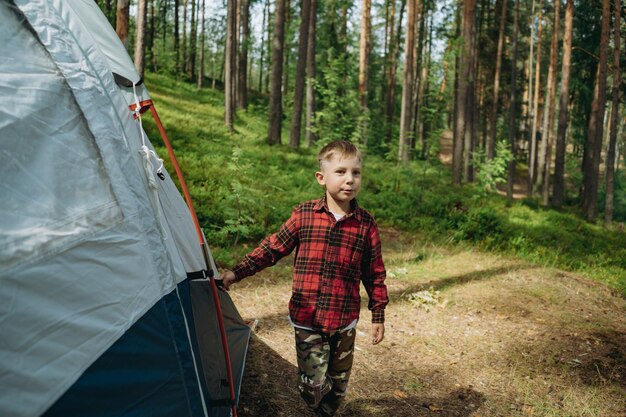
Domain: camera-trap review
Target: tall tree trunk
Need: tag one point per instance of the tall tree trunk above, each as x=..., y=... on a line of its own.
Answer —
x=593, y=145
x=512, y=106
x=230, y=72
x=121, y=21
x=298, y=97
x=558, y=192
x=286, y=52
x=407, y=85
x=470, y=107
x=263, y=29
x=151, y=58
x=531, y=58
x=391, y=74
x=496, y=83
x=183, y=43
x=418, y=86
x=310, y=77
x=200, y=79
x=424, y=93
x=176, y=33
x=275, y=110
x=191, y=60
x=140, y=40
x=364, y=52
x=242, y=68
x=543, y=170
x=617, y=81
x=465, y=69
x=532, y=167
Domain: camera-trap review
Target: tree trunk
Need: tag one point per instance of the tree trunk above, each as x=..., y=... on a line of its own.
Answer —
x=286, y=51
x=418, y=85
x=407, y=85
x=465, y=68
x=310, y=76
x=191, y=61
x=617, y=81
x=263, y=30
x=531, y=58
x=200, y=78
x=470, y=107
x=151, y=58
x=512, y=106
x=558, y=192
x=593, y=145
x=121, y=21
x=391, y=74
x=543, y=170
x=532, y=167
x=496, y=84
x=230, y=72
x=275, y=110
x=183, y=43
x=242, y=68
x=140, y=40
x=176, y=34
x=364, y=52
x=298, y=97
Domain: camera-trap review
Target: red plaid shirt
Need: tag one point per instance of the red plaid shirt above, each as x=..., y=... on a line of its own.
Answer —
x=332, y=259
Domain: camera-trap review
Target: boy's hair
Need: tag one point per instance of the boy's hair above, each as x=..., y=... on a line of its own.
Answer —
x=342, y=148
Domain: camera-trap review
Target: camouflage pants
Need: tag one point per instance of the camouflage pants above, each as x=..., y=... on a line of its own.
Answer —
x=324, y=362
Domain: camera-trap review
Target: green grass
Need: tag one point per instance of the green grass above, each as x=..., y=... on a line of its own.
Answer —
x=244, y=189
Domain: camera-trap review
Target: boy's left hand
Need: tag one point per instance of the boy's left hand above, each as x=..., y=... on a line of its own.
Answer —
x=378, y=333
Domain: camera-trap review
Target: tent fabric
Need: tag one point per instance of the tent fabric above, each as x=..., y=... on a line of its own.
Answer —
x=89, y=253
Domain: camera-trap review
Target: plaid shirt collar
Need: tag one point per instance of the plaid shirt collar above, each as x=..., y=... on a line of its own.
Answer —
x=322, y=205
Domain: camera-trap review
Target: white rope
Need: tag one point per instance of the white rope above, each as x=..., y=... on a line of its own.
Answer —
x=148, y=155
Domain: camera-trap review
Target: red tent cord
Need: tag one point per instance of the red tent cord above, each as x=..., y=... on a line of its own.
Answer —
x=203, y=243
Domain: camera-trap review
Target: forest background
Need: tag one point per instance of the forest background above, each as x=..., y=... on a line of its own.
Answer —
x=494, y=140
x=451, y=100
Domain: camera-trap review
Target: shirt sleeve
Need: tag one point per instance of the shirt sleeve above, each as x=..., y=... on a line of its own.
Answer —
x=374, y=276
x=271, y=249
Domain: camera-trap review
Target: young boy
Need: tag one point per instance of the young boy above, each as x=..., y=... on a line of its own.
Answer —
x=337, y=247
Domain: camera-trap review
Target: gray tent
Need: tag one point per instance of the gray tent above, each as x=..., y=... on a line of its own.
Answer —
x=107, y=306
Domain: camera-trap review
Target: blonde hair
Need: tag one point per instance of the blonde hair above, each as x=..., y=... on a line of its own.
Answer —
x=342, y=148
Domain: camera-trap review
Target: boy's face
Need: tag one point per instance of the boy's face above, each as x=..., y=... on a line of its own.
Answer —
x=342, y=178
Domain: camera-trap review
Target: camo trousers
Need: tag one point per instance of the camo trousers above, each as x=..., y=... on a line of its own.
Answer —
x=324, y=362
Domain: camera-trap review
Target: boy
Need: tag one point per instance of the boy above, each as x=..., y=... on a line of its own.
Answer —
x=337, y=246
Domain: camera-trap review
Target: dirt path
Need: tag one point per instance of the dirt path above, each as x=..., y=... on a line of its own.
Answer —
x=504, y=338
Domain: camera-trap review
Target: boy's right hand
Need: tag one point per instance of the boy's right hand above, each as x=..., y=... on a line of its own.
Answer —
x=228, y=278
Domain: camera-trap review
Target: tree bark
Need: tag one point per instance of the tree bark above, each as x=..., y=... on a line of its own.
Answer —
x=183, y=43
x=391, y=74
x=364, y=52
x=465, y=68
x=140, y=40
x=593, y=145
x=532, y=167
x=617, y=81
x=242, y=68
x=496, y=84
x=230, y=72
x=121, y=21
x=286, y=52
x=298, y=97
x=407, y=85
x=558, y=192
x=263, y=30
x=310, y=136
x=512, y=106
x=545, y=153
x=200, y=78
x=176, y=34
x=470, y=109
x=275, y=108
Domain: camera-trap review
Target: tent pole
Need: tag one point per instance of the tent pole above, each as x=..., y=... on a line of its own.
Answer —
x=205, y=253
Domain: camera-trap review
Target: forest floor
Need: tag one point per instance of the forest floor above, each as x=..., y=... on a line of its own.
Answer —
x=468, y=333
